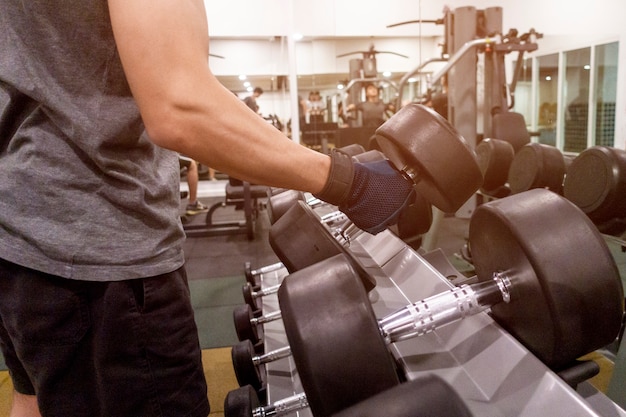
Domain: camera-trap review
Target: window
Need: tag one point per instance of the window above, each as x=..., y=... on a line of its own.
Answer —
x=576, y=99
x=605, y=93
x=580, y=107
x=548, y=83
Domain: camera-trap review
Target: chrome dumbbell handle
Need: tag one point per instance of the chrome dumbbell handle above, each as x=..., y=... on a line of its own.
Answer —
x=267, y=269
x=269, y=317
x=266, y=291
x=272, y=356
x=441, y=309
x=282, y=407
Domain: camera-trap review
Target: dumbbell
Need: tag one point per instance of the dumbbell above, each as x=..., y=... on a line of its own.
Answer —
x=596, y=182
x=426, y=396
x=300, y=238
x=248, y=363
x=247, y=322
x=250, y=295
x=247, y=319
x=316, y=246
x=425, y=147
x=314, y=243
x=537, y=165
x=303, y=254
x=560, y=302
x=494, y=159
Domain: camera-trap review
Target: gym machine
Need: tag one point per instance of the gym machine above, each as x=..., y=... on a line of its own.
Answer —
x=238, y=194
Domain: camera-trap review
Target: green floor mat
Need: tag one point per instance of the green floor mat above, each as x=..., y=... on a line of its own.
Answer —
x=213, y=301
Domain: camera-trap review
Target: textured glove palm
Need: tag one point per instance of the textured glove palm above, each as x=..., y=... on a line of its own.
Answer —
x=371, y=194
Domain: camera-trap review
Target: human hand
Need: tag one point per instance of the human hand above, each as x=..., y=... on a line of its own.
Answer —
x=371, y=194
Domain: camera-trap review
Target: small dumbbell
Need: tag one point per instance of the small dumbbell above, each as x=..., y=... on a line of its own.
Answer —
x=417, y=319
x=247, y=319
x=250, y=295
x=247, y=363
x=247, y=323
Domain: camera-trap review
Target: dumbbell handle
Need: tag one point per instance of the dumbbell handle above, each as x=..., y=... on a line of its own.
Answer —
x=273, y=316
x=265, y=291
x=267, y=268
x=282, y=407
x=274, y=355
x=441, y=309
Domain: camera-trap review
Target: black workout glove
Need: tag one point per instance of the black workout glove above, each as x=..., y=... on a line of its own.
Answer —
x=371, y=194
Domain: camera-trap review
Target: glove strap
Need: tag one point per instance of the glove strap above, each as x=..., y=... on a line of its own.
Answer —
x=340, y=178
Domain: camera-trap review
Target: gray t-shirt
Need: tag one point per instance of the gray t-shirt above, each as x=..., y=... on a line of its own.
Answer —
x=84, y=194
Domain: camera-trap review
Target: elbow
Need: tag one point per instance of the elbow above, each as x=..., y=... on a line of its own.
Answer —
x=164, y=128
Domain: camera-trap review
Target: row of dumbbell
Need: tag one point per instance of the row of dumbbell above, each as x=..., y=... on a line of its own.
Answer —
x=553, y=214
x=594, y=180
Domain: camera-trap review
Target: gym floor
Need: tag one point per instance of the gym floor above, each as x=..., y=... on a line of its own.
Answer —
x=215, y=270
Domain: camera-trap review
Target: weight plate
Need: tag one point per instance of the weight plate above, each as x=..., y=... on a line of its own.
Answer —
x=247, y=289
x=426, y=396
x=278, y=204
x=243, y=326
x=299, y=239
x=241, y=402
x=566, y=292
x=415, y=219
x=419, y=138
x=537, y=165
x=245, y=370
x=334, y=338
x=494, y=159
x=596, y=182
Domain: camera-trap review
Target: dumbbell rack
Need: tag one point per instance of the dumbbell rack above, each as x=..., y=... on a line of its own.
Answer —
x=491, y=370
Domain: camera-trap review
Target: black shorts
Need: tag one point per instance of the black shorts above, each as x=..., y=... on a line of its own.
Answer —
x=127, y=348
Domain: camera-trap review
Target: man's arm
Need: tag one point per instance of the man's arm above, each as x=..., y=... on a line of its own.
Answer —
x=164, y=47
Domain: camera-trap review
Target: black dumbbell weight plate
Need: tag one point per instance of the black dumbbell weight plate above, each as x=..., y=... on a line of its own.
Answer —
x=241, y=402
x=494, y=158
x=426, y=396
x=278, y=204
x=299, y=239
x=242, y=316
x=246, y=372
x=566, y=293
x=596, y=182
x=334, y=338
x=419, y=138
x=537, y=165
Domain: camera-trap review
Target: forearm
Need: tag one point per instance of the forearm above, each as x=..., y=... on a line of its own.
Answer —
x=164, y=49
x=223, y=133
